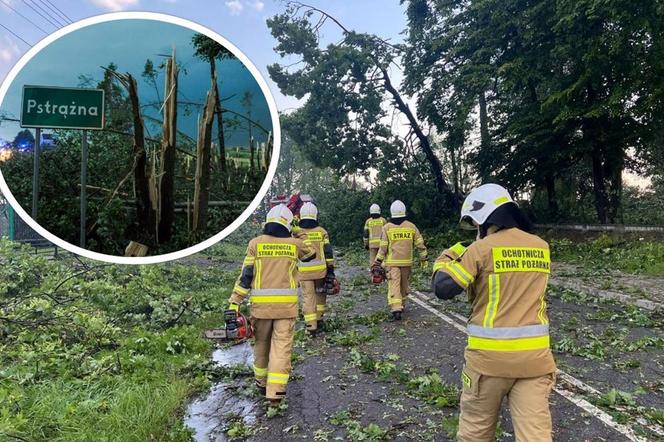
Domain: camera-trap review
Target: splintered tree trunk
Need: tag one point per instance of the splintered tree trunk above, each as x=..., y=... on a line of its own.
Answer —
x=203, y=147
x=268, y=151
x=168, y=145
x=145, y=213
x=220, y=120
x=252, y=154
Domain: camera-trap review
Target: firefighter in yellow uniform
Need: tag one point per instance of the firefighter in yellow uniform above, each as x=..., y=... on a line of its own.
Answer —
x=269, y=278
x=505, y=274
x=315, y=273
x=398, y=240
x=373, y=227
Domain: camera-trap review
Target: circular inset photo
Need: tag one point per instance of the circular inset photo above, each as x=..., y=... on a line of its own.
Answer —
x=136, y=137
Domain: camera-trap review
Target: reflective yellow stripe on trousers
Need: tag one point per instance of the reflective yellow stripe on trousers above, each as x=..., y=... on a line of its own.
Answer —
x=277, y=378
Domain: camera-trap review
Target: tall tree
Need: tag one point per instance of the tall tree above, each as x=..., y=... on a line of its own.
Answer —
x=563, y=83
x=348, y=89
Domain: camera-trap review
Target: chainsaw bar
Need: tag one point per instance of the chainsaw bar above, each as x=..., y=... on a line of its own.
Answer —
x=220, y=335
x=217, y=333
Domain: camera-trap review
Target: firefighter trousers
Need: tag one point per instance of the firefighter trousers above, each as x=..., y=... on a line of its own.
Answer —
x=272, y=354
x=372, y=256
x=481, y=399
x=397, y=287
x=314, y=304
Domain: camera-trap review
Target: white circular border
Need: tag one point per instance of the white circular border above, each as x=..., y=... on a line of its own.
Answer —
x=276, y=128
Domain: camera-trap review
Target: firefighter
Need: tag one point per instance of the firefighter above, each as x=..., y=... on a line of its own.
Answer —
x=373, y=227
x=505, y=273
x=315, y=273
x=398, y=239
x=269, y=277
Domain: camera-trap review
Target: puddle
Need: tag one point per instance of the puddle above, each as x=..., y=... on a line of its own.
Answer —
x=242, y=354
x=207, y=415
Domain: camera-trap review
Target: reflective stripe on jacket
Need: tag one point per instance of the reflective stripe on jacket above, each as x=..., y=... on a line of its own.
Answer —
x=373, y=228
x=397, y=243
x=318, y=239
x=269, y=276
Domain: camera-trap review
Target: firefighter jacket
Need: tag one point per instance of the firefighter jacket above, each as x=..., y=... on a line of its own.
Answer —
x=269, y=276
x=373, y=228
x=318, y=239
x=505, y=275
x=397, y=243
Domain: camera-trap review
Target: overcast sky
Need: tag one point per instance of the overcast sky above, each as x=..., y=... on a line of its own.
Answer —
x=84, y=51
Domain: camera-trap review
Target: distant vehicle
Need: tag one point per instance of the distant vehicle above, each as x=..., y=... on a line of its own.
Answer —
x=47, y=140
x=294, y=202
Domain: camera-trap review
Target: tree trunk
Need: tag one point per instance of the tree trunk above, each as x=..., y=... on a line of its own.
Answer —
x=551, y=198
x=252, y=155
x=599, y=189
x=485, y=141
x=455, y=141
x=451, y=199
x=220, y=120
x=614, y=167
x=203, y=146
x=145, y=214
x=168, y=146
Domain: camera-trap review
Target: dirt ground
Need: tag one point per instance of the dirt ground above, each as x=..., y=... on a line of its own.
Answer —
x=369, y=378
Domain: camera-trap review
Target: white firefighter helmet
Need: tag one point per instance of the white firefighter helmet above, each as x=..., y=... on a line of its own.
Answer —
x=308, y=211
x=280, y=214
x=398, y=209
x=482, y=202
x=374, y=209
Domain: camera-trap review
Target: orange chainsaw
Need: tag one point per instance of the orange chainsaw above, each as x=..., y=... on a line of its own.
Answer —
x=237, y=329
x=330, y=286
x=378, y=275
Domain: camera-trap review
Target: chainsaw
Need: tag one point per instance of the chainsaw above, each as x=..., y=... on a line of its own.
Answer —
x=331, y=286
x=378, y=275
x=237, y=329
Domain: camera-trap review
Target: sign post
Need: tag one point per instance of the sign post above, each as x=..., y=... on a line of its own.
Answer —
x=36, y=152
x=62, y=108
x=84, y=185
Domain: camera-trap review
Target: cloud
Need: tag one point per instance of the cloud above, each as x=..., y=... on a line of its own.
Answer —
x=235, y=7
x=9, y=50
x=115, y=5
x=259, y=6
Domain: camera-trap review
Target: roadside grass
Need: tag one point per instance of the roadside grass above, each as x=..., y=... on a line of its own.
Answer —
x=612, y=253
x=89, y=349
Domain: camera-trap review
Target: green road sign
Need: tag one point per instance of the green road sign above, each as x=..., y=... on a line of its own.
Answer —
x=62, y=108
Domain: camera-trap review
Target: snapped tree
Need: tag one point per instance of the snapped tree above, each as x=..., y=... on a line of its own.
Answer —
x=349, y=95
